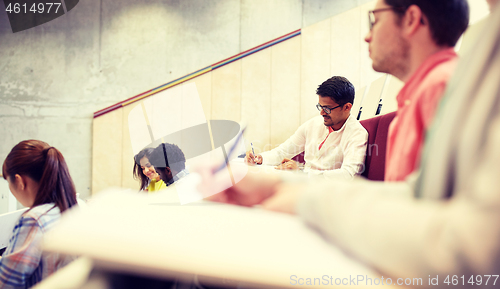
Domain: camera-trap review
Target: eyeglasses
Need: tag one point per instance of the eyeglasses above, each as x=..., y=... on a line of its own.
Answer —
x=371, y=14
x=326, y=109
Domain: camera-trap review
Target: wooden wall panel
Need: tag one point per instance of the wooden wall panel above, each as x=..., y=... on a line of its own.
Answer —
x=127, y=153
x=372, y=98
x=315, y=66
x=367, y=73
x=107, y=151
x=204, y=87
x=391, y=90
x=138, y=131
x=256, y=98
x=174, y=109
x=346, y=46
x=358, y=98
x=285, y=90
x=226, y=92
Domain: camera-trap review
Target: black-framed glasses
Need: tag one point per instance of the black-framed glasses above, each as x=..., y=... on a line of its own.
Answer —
x=371, y=14
x=326, y=109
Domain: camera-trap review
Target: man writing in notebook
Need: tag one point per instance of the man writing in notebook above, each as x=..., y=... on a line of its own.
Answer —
x=334, y=143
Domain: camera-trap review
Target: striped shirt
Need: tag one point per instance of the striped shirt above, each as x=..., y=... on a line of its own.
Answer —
x=23, y=264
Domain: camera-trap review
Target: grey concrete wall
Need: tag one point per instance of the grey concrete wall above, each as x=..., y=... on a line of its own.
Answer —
x=54, y=76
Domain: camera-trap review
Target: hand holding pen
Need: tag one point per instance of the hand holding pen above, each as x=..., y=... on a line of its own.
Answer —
x=252, y=158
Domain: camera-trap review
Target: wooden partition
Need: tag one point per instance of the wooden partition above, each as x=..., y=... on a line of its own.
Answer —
x=107, y=151
x=285, y=90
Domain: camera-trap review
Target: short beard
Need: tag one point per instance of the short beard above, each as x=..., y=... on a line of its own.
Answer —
x=397, y=63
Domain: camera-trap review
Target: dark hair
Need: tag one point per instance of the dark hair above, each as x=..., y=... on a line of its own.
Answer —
x=168, y=155
x=45, y=165
x=448, y=19
x=337, y=88
x=137, y=171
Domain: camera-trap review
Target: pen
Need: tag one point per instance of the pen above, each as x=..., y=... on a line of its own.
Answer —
x=253, y=152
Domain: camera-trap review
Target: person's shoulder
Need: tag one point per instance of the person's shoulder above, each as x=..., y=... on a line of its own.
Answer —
x=355, y=125
x=160, y=185
x=435, y=82
x=42, y=215
x=155, y=186
x=443, y=71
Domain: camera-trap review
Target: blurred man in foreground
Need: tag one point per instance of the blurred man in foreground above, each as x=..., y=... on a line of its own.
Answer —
x=451, y=224
x=413, y=40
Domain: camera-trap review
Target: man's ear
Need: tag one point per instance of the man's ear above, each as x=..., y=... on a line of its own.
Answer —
x=348, y=106
x=413, y=19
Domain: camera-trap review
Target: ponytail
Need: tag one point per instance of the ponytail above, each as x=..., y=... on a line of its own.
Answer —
x=45, y=165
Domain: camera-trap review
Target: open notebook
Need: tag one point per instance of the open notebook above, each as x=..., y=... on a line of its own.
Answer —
x=156, y=236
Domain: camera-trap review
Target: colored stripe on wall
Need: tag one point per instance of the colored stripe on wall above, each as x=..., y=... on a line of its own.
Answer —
x=196, y=73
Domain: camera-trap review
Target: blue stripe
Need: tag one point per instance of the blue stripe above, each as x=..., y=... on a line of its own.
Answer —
x=12, y=271
x=11, y=279
x=13, y=239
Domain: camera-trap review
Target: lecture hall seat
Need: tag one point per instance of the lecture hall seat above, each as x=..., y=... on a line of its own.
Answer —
x=378, y=128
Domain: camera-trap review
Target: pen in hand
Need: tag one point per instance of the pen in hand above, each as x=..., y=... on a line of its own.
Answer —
x=253, y=152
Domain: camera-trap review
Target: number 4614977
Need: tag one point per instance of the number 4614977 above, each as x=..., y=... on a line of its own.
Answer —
x=35, y=8
x=473, y=280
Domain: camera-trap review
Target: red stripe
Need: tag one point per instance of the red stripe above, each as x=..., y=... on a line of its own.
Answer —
x=112, y=107
x=106, y=110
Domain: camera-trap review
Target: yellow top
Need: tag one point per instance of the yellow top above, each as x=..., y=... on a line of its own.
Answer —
x=155, y=186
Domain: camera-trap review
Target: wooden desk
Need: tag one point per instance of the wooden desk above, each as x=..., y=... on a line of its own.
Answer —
x=155, y=236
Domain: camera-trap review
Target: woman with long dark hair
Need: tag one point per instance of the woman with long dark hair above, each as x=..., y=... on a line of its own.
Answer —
x=146, y=173
x=39, y=179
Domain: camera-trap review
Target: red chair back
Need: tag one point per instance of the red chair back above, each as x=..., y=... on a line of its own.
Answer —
x=378, y=129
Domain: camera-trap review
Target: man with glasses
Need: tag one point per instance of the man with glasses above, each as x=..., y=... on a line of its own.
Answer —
x=334, y=143
x=413, y=40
